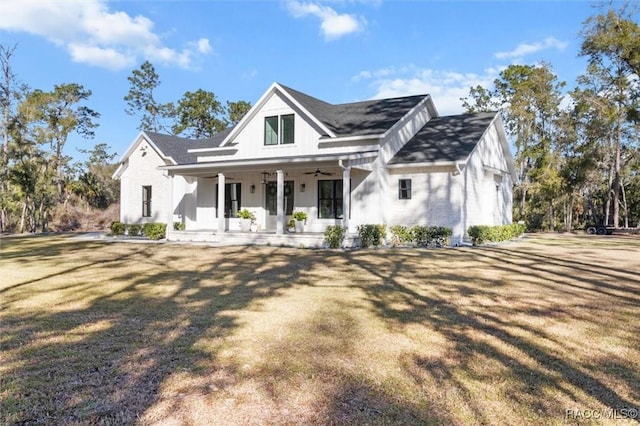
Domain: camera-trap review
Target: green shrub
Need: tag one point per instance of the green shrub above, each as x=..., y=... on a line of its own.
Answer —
x=481, y=234
x=299, y=215
x=440, y=235
x=400, y=235
x=133, y=230
x=424, y=236
x=179, y=226
x=154, y=231
x=371, y=235
x=334, y=236
x=117, y=228
x=420, y=235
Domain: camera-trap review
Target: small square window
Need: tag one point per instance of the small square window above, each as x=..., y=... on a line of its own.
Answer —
x=404, y=189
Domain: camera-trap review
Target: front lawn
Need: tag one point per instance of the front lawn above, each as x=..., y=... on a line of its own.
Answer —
x=543, y=330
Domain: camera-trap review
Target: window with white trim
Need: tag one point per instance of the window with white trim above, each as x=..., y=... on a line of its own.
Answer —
x=146, y=201
x=404, y=189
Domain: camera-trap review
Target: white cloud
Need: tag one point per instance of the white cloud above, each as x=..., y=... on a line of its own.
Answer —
x=94, y=55
x=95, y=35
x=524, y=49
x=333, y=25
x=445, y=87
x=204, y=46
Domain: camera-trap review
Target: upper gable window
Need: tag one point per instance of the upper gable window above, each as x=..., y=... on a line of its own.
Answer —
x=287, y=122
x=279, y=129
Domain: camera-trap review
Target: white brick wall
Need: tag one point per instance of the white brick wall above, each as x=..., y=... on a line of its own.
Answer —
x=142, y=170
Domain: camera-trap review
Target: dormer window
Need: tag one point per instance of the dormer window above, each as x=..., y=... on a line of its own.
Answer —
x=279, y=129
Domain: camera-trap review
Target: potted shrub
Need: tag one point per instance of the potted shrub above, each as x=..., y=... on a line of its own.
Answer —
x=246, y=218
x=291, y=225
x=300, y=217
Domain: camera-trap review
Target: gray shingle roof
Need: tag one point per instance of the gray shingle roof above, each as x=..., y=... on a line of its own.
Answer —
x=177, y=147
x=358, y=118
x=450, y=138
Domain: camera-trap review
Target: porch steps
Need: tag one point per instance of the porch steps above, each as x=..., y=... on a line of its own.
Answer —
x=301, y=240
x=200, y=236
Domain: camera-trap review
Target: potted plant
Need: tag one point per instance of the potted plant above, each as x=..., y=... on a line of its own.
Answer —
x=291, y=225
x=300, y=217
x=246, y=218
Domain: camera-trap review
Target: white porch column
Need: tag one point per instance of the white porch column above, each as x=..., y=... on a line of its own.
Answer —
x=346, y=196
x=169, y=229
x=221, y=197
x=280, y=202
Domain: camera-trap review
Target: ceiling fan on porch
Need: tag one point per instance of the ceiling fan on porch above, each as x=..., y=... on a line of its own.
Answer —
x=319, y=172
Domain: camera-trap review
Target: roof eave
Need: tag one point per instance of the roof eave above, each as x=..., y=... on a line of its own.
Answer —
x=442, y=163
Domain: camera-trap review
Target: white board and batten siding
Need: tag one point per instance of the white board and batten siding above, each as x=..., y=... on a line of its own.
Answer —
x=488, y=184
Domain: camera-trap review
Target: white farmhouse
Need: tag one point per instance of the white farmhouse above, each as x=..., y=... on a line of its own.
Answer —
x=390, y=161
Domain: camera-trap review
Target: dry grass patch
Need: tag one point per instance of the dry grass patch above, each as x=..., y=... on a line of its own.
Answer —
x=112, y=333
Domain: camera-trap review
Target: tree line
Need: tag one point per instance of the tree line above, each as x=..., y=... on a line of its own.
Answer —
x=577, y=152
x=40, y=186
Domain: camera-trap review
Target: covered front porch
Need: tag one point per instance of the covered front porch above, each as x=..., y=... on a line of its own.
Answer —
x=213, y=194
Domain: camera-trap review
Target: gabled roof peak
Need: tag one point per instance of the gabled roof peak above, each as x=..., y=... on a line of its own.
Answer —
x=361, y=118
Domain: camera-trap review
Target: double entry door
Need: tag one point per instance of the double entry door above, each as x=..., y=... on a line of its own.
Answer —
x=271, y=202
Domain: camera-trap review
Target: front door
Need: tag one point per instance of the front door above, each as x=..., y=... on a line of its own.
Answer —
x=271, y=202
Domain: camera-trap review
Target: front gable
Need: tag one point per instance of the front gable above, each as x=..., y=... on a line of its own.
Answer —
x=276, y=127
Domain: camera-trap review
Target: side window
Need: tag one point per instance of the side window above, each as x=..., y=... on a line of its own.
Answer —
x=232, y=199
x=404, y=189
x=146, y=201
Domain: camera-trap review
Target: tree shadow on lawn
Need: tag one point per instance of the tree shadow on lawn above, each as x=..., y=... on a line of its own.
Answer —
x=106, y=362
x=150, y=314
x=535, y=359
x=137, y=316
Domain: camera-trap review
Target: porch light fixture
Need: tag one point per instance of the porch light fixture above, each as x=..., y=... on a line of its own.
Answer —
x=303, y=187
x=252, y=189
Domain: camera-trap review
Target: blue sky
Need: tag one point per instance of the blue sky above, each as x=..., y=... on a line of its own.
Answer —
x=338, y=51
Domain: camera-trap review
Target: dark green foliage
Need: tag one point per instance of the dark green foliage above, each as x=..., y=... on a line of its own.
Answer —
x=117, y=228
x=334, y=236
x=134, y=229
x=154, y=231
x=481, y=234
x=199, y=114
x=237, y=110
x=424, y=236
x=371, y=235
x=179, y=226
x=419, y=235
